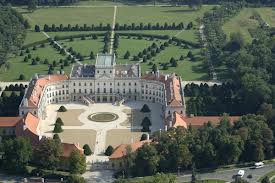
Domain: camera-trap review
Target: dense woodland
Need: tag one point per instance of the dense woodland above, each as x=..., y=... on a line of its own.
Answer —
x=12, y=31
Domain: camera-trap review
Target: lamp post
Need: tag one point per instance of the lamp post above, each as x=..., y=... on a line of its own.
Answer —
x=178, y=170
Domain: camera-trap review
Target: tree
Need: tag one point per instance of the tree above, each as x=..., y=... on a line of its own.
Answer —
x=92, y=56
x=57, y=128
x=236, y=42
x=76, y=179
x=266, y=180
x=57, y=138
x=32, y=5
x=127, y=55
x=109, y=151
x=146, y=161
x=37, y=28
x=146, y=123
x=77, y=163
x=87, y=150
x=143, y=137
x=22, y=77
x=145, y=108
x=154, y=68
x=17, y=154
x=48, y=153
x=59, y=120
x=62, y=109
x=164, y=178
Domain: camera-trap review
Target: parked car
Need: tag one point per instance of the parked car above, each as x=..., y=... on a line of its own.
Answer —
x=259, y=165
x=240, y=173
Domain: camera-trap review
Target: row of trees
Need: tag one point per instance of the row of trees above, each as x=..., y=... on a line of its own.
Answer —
x=249, y=139
x=40, y=2
x=9, y=102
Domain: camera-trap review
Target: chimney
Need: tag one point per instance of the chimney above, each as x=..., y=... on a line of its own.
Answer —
x=49, y=77
x=24, y=127
x=170, y=124
x=157, y=73
x=166, y=77
x=166, y=128
x=42, y=180
x=148, y=136
x=25, y=180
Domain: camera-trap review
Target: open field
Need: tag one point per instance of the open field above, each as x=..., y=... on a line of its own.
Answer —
x=244, y=21
x=71, y=16
x=268, y=15
x=70, y=118
x=17, y=66
x=115, y=137
x=84, y=47
x=79, y=136
x=34, y=37
x=135, y=14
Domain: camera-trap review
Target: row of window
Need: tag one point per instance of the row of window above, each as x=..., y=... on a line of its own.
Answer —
x=118, y=84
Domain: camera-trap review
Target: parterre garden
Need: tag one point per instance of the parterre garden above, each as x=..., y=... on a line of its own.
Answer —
x=144, y=32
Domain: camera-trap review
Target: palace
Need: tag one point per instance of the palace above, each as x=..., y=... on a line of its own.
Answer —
x=104, y=82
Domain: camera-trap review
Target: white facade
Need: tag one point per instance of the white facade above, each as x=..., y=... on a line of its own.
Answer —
x=103, y=82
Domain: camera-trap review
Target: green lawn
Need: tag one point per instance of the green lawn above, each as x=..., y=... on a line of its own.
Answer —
x=241, y=23
x=85, y=46
x=52, y=34
x=71, y=16
x=134, y=46
x=188, y=35
x=135, y=14
x=269, y=174
x=34, y=36
x=268, y=15
x=17, y=66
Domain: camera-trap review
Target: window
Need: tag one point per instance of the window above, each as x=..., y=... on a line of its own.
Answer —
x=104, y=90
x=85, y=90
x=74, y=84
x=98, y=90
x=104, y=72
x=74, y=90
x=110, y=72
x=91, y=84
x=79, y=90
x=129, y=84
x=79, y=84
x=85, y=84
x=111, y=90
x=97, y=72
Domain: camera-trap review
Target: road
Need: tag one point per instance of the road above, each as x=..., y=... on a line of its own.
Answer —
x=113, y=31
x=228, y=175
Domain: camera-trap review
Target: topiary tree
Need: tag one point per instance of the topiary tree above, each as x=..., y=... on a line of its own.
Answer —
x=57, y=128
x=26, y=59
x=37, y=28
x=127, y=55
x=181, y=57
x=87, y=150
x=143, y=137
x=146, y=123
x=92, y=56
x=22, y=77
x=59, y=120
x=57, y=138
x=62, y=109
x=109, y=150
x=145, y=108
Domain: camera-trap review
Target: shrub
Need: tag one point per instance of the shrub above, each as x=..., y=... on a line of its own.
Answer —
x=26, y=59
x=145, y=108
x=21, y=53
x=76, y=179
x=34, y=48
x=127, y=55
x=22, y=77
x=62, y=109
x=59, y=120
x=34, y=62
x=146, y=123
x=56, y=137
x=57, y=128
x=109, y=150
x=143, y=137
x=87, y=150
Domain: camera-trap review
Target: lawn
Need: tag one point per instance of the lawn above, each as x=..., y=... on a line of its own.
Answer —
x=17, y=66
x=85, y=46
x=70, y=118
x=34, y=37
x=188, y=35
x=269, y=174
x=71, y=16
x=72, y=33
x=268, y=15
x=188, y=70
x=241, y=23
x=135, y=14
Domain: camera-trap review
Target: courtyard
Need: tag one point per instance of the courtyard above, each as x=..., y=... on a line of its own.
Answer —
x=100, y=125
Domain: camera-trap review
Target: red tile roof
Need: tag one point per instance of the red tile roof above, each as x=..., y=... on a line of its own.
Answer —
x=36, y=89
x=172, y=87
x=69, y=148
x=197, y=121
x=9, y=121
x=121, y=150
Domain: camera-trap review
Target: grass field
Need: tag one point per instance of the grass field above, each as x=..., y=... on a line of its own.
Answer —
x=71, y=16
x=85, y=46
x=134, y=14
x=243, y=21
x=17, y=66
x=33, y=37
